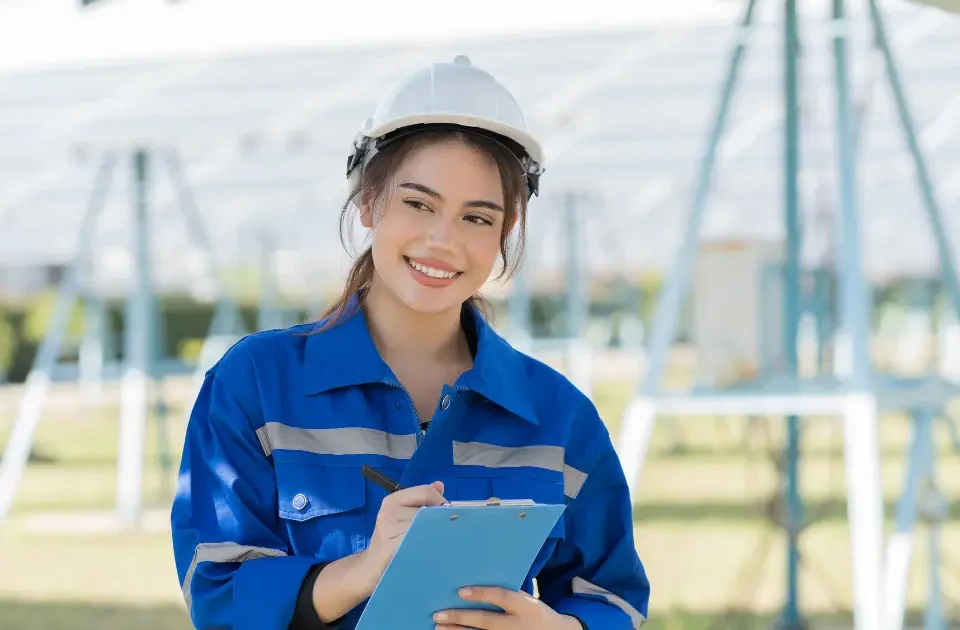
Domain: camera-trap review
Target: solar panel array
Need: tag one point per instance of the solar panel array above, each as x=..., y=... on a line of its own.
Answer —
x=624, y=115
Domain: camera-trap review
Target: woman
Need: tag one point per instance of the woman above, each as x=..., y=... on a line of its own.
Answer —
x=273, y=524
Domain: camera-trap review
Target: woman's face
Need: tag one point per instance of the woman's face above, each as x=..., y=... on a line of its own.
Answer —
x=437, y=237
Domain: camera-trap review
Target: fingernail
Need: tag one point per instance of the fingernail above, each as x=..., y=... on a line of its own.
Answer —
x=466, y=592
x=440, y=617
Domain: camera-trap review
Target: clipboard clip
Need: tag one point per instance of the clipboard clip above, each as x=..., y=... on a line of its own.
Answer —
x=492, y=502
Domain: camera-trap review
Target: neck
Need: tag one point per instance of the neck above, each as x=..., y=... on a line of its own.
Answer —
x=398, y=331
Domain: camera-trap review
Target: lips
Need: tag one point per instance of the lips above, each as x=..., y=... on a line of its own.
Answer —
x=433, y=268
x=430, y=273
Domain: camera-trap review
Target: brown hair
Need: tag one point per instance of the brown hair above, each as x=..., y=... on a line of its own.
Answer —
x=379, y=175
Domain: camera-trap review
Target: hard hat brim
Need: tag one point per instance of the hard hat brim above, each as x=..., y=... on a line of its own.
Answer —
x=525, y=140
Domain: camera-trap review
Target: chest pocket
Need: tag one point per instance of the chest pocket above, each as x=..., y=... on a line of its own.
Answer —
x=540, y=490
x=322, y=509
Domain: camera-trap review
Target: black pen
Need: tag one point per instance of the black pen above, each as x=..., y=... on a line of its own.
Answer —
x=380, y=479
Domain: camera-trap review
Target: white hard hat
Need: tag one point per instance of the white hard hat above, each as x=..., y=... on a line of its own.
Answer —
x=453, y=94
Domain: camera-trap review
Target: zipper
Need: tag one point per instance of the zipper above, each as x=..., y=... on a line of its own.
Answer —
x=416, y=415
x=418, y=422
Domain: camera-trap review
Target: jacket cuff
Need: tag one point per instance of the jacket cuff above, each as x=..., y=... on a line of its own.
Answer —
x=305, y=616
x=594, y=614
x=265, y=591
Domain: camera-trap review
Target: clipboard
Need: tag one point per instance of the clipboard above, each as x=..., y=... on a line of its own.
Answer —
x=466, y=543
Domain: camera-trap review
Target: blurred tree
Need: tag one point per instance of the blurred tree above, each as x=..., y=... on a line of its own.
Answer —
x=8, y=344
x=40, y=314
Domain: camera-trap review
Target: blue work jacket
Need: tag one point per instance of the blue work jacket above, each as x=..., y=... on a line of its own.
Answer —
x=270, y=482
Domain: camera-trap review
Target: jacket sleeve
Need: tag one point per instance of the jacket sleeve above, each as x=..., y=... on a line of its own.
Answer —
x=595, y=574
x=234, y=567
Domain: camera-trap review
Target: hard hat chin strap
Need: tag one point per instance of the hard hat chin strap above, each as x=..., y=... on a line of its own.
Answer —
x=366, y=148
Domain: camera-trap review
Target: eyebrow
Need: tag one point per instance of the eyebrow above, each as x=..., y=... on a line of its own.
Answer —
x=430, y=192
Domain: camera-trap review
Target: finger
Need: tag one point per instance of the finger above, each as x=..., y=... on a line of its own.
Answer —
x=419, y=496
x=482, y=619
x=510, y=601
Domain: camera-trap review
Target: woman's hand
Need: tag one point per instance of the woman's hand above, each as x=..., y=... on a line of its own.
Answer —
x=343, y=584
x=393, y=520
x=520, y=612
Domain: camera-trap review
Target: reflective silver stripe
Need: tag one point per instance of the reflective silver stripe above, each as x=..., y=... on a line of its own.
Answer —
x=222, y=552
x=343, y=441
x=492, y=456
x=582, y=587
x=264, y=441
x=356, y=441
x=573, y=481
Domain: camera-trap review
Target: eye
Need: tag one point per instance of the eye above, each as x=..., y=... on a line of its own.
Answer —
x=416, y=204
x=478, y=219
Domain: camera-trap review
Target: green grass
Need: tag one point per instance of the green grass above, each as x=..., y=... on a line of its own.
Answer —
x=701, y=525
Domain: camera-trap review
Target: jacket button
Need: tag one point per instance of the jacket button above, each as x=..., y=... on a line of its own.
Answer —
x=299, y=502
x=445, y=403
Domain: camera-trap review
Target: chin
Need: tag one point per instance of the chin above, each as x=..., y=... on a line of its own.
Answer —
x=431, y=301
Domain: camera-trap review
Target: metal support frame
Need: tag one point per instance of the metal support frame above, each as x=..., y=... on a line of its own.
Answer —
x=38, y=380
x=790, y=618
x=226, y=325
x=855, y=392
x=572, y=344
x=922, y=502
x=637, y=426
x=559, y=100
x=140, y=340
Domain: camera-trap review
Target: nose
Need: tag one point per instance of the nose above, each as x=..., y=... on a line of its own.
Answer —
x=441, y=232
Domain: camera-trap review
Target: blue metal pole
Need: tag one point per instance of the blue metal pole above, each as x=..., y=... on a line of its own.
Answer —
x=854, y=308
x=92, y=356
x=934, y=618
x=577, y=298
x=667, y=313
x=861, y=439
x=138, y=345
x=823, y=288
x=161, y=410
x=900, y=546
x=936, y=512
x=791, y=617
x=930, y=203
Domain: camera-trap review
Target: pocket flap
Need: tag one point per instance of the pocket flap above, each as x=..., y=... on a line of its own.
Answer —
x=306, y=491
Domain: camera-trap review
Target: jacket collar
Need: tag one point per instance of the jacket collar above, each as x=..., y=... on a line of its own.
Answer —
x=345, y=356
x=499, y=372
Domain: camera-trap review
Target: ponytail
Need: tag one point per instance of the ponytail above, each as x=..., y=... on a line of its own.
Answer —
x=357, y=283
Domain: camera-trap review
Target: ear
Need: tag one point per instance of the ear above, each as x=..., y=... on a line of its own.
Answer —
x=366, y=214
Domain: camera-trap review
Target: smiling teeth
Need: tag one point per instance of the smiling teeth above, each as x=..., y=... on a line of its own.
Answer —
x=430, y=271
